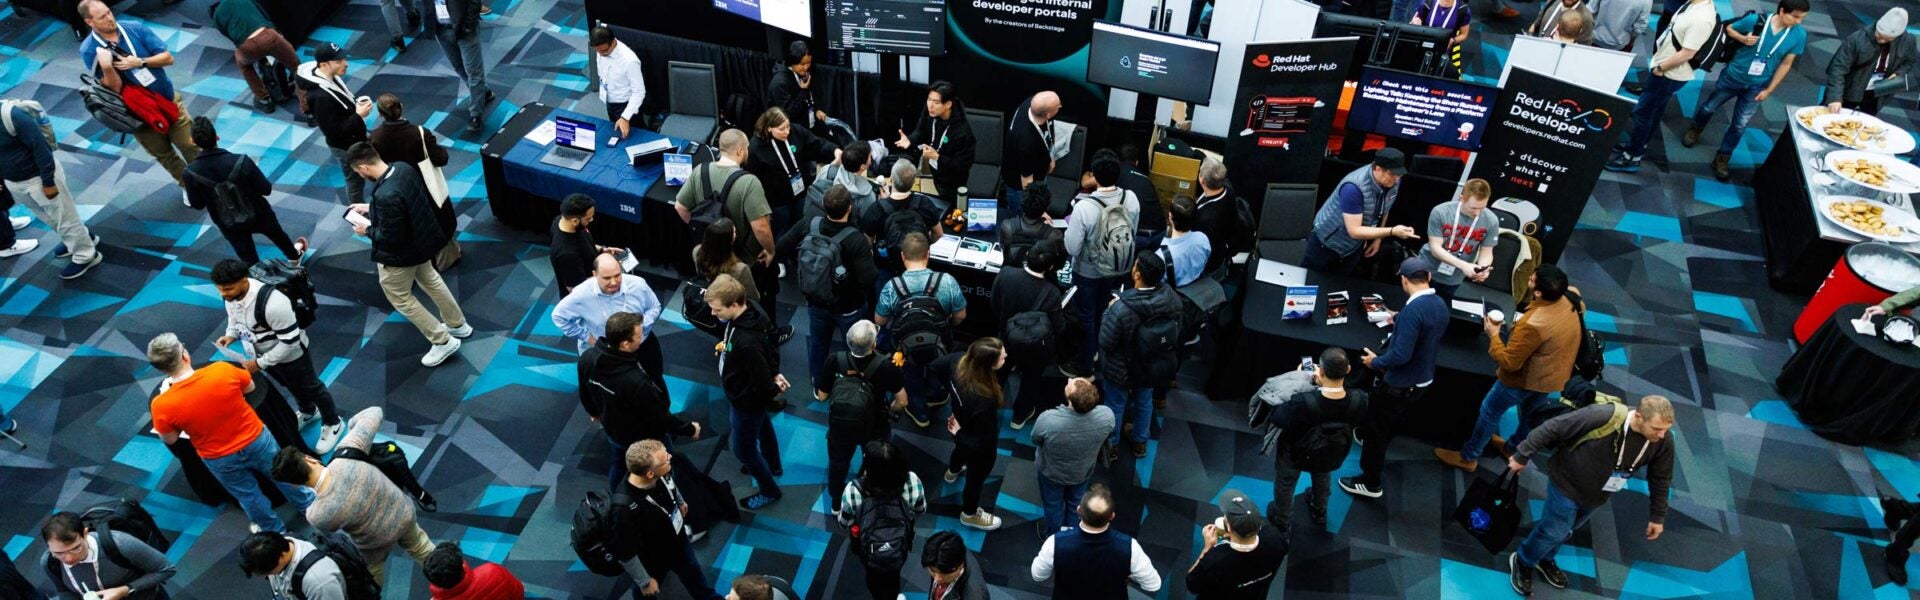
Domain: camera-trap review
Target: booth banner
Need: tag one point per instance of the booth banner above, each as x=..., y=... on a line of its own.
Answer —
x=1286, y=101
x=1543, y=150
x=1000, y=52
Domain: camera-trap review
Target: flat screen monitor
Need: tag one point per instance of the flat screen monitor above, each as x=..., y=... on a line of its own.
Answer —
x=1402, y=46
x=791, y=15
x=1434, y=110
x=1152, y=63
x=910, y=27
x=573, y=133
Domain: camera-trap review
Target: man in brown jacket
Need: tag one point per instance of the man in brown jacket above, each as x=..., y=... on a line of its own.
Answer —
x=1533, y=363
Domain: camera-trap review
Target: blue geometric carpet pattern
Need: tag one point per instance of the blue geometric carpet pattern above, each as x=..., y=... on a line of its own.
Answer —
x=1668, y=258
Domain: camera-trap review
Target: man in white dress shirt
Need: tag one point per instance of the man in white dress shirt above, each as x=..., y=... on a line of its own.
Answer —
x=621, y=86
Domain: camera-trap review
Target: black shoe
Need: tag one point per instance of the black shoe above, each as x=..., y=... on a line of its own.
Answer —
x=1113, y=454
x=1319, y=516
x=1896, y=511
x=1552, y=573
x=786, y=333
x=1522, y=579
x=398, y=43
x=1896, y=570
x=1139, y=450
x=264, y=105
x=473, y=126
x=489, y=97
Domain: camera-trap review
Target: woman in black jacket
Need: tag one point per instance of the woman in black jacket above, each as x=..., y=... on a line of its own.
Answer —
x=975, y=422
x=784, y=157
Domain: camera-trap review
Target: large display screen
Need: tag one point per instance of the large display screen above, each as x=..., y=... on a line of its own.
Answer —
x=791, y=15
x=1443, y=112
x=1151, y=62
x=912, y=27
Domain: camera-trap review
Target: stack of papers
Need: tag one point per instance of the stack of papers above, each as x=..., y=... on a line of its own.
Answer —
x=945, y=247
x=543, y=134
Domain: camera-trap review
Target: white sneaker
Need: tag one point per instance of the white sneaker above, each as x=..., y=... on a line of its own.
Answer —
x=20, y=247
x=462, y=332
x=254, y=528
x=183, y=198
x=329, y=437
x=980, y=519
x=304, y=420
x=20, y=223
x=439, y=352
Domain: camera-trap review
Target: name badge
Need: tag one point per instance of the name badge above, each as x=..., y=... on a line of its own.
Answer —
x=1447, y=268
x=1759, y=66
x=798, y=185
x=440, y=10
x=145, y=77
x=1617, y=482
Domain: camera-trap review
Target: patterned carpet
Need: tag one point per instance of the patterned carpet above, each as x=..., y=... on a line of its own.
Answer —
x=1669, y=259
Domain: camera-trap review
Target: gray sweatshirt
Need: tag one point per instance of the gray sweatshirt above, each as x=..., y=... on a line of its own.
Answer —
x=1616, y=22
x=1084, y=222
x=323, y=580
x=278, y=340
x=1069, y=442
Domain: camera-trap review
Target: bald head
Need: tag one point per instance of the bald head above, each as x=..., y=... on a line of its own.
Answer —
x=607, y=273
x=1045, y=105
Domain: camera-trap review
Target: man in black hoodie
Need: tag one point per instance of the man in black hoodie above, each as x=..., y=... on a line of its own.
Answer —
x=621, y=396
x=650, y=525
x=750, y=374
x=342, y=118
x=406, y=236
x=945, y=139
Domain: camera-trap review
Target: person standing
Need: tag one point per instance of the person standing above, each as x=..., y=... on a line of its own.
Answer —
x=1461, y=235
x=406, y=235
x=1152, y=227
x=896, y=213
x=1532, y=363
x=650, y=526
x=584, y=313
x=1899, y=516
x=791, y=89
x=945, y=140
x=1867, y=58
x=1217, y=213
x=1405, y=371
x=352, y=496
x=262, y=318
x=1618, y=23
x=1692, y=26
x=31, y=169
x=215, y=166
x=750, y=375
x=1026, y=152
x=1033, y=288
x=573, y=250
x=785, y=158
x=911, y=303
x=1455, y=16
x=1066, y=442
x=884, y=478
x=1020, y=232
x=342, y=118
x=1127, y=370
x=622, y=86
x=397, y=29
x=867, y=372
x=1245, y=569
x=80, y=564
x=1092, y=560
x=973, y=377
x=1185, y=251
x=254, y=39
x=835, y=273
x=707, y=266
x=1597, y=449
x=456, y=24
x=1298, y=418
x=281, y=557
x=449, y=577
x=954, y=573
x=122, y=54
x=619, y=393
x=1758, y=66
x=1353, y=221
x=400, y=141
x=1547, y=23
x=209, y=405
x=1102, y=252
x=746, y=205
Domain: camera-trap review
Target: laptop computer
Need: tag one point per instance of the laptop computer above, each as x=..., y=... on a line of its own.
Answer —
x=573, y=142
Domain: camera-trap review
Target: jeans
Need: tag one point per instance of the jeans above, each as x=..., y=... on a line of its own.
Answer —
x=464, y=54
x=1318, y=257
x=978, y=461
x=252, y=50
x=173, y=149
x=1743, y=109
x=1384, y=415
x=823, y=324
x=241, y=472
x=691, y=575
x=396, y=21
x=1285, y=477
x=303, y=382
x=414, y=541
x=840, y=449
x=923, y=390
x=1090, y=304
x=1133, y=405
x=1010, y=198
x=356, y=185
x=1058, y=500
x=1558, y=518
x=397, y=283
x=267, y=224
x=1499, y=399
x=756, y=446
x=1646, y=114
x=58, y=213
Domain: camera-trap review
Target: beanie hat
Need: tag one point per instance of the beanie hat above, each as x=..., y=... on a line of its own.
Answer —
x=1893, y=23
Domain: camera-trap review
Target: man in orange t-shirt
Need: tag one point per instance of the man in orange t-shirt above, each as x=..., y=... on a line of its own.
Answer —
x=209, y=406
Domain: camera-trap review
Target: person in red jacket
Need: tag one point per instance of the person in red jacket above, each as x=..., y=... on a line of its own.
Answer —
x=449, y=577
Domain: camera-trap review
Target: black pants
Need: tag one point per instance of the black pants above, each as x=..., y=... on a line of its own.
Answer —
x=1386, y=406
x=979, y=464
x=264, y=223
x=840, y=449
x=1038, y=392
x=653, y=361
x=1904, y=537
x=883, y=584
x=304, y=383
x=768, y=281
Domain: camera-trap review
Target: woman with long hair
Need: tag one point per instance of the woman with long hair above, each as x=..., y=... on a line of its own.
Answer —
x=720, y=237
x=785, y=158
x=974, y=381
x=884, y=477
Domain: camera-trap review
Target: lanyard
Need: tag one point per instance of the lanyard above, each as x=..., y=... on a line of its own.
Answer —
x=782, y=152
x=939, y=137
x=93, y=552
x=1776, y=44
x=1454, y=229
x=1553, y=21
x=1623, y=453
x=1434, y=19
x=125, y=43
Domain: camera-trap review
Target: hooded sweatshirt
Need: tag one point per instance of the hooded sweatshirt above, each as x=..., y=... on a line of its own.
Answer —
x=749, y=361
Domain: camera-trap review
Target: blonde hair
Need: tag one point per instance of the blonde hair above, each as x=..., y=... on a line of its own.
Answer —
x=726, y=289
x=1476, y=188
x=1656, y=408
x=640, y=456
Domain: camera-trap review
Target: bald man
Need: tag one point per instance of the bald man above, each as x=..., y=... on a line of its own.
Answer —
x=1026, y=154
x=583, y=313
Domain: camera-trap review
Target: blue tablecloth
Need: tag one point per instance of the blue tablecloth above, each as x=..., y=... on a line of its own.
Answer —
x=618, y=188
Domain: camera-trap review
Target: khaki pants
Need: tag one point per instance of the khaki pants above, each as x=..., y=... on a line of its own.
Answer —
x=57, y=213
x=398, y=282
x=414, y=541
x=173, y=149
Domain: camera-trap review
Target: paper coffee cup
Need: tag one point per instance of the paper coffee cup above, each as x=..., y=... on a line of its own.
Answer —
x=1496, y=316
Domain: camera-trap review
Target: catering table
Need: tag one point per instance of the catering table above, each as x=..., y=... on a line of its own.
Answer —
x=1267, y=345
x=1802, y=246
x=634, y=209
x=1853, y=388
x=272, y=409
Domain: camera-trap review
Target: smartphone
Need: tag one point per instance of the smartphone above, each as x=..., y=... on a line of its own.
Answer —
x=357, y=219
x=613, y=141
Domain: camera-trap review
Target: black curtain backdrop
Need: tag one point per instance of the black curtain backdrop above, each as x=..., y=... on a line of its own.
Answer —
x=746, y=72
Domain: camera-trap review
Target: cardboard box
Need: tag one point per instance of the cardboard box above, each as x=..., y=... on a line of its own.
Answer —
x=1175, y=175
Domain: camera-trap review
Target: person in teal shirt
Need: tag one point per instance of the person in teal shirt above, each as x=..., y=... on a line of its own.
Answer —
x=1760, y=61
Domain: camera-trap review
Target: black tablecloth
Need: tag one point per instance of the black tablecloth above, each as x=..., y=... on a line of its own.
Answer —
x=272, y=408
x=1798, y=259
x=1267, y=345
x=1852, y=388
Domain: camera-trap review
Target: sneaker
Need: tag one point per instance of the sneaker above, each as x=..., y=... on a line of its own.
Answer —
x=1507, y=12
x=1357, y=441
x=486, y=10
x=1139, y=449
x=439, y=352
x=183, y=198
x=329, y=437
x=75, y=270
x=473, y=125
x=254, y=528
x=786, y=333
x=1353, y=486
x=1020, y=422
x=20, y=223
x=955, y=475
x=981, y=520
x=697, y=536
x=303, y=420
x=1453, y=459
x=20, y=247
x=62, y=251
x=1721, y=170
x=1896, y=570
x=757, y=501
x=398, y=43
x=464, y=331
x=1623, y=164
x=835, y=511
x=1522, y=579
x=1895, y=510
x=12, y=427
x=1552, y=573
x=1691, y=137
x=264, y=105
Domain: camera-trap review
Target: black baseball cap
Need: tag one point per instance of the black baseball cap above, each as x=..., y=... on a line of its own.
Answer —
x=1243, y=517
x=329, y=52
x=1390, y=159
x=1416, y=268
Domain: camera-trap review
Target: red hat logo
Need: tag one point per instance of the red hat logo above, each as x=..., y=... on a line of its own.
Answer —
x=1262, y=61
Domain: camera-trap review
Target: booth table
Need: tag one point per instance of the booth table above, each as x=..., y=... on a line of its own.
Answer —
x=1854, y=388
x=1801, y=245
x=633, y=209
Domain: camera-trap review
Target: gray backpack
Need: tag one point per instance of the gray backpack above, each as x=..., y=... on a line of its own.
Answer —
x=106, y=106
x=1110, y=240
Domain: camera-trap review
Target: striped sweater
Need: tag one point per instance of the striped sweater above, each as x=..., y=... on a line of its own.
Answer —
x=356, y=498
x=276, y=341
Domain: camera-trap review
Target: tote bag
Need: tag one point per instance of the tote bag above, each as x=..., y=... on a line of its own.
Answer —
x=1491, y=511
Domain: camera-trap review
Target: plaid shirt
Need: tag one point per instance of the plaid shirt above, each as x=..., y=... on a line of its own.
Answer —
x=853, y=497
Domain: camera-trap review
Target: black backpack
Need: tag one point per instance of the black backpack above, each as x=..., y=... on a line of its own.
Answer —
x=693, y=306
x=713, y=205
x=392, y=462
x=230, y=207
x=593, y=530
x=107, y=107
x=883, y=531
x=897, y=225
x=1156, y=345
x=346, y=556
x=286, y=277
x=852, y=404
x=920, y=330
x=1029, y=336
x=1325, y=446
x=822, y=269
x=1718, y=48
x=124, y=516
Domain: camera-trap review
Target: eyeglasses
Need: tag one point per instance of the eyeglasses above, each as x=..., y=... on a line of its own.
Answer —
x=76, y=550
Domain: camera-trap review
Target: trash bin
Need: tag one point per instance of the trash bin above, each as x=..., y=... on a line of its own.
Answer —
x=1868, y=273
